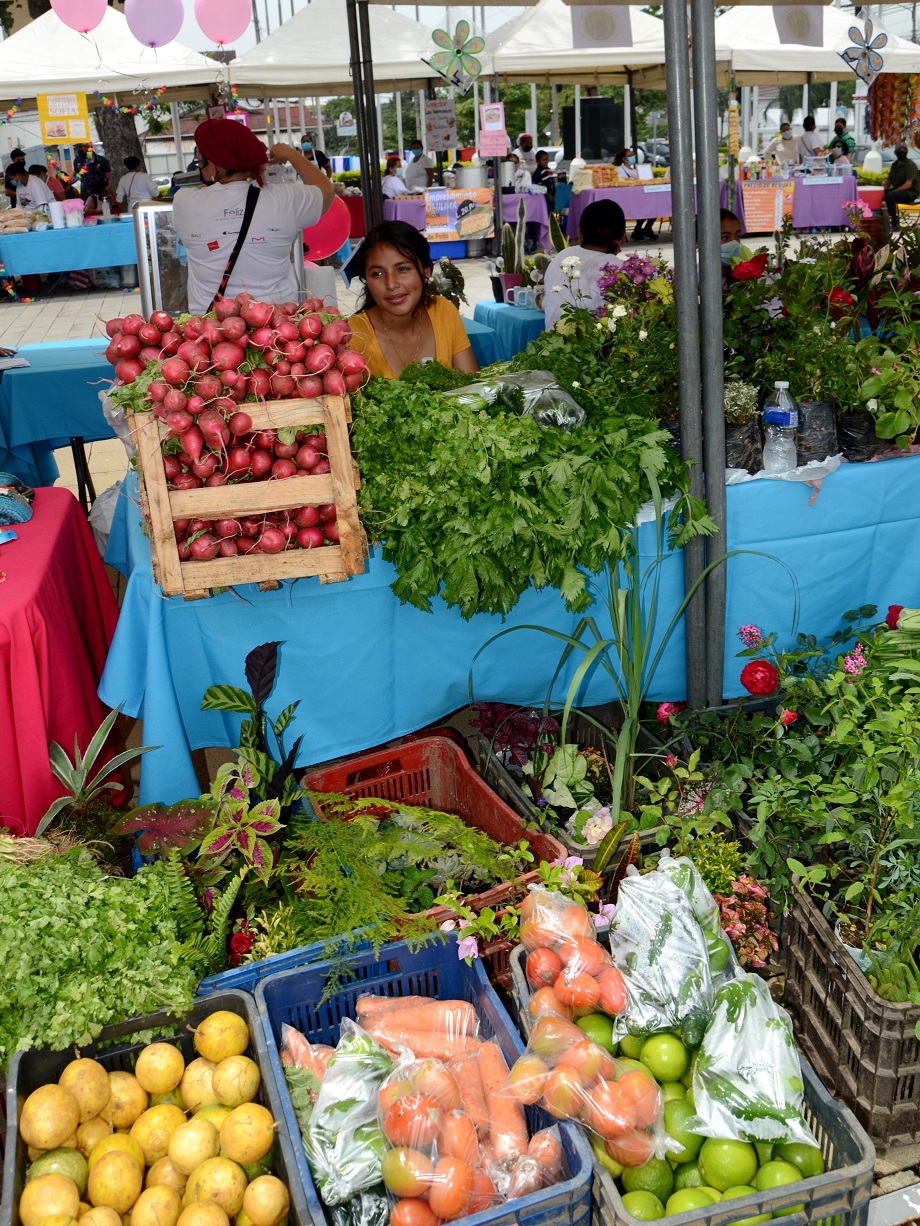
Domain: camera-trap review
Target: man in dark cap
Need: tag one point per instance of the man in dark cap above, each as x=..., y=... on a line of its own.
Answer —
x=209, y=220
x=902, y=184
x=525, y=153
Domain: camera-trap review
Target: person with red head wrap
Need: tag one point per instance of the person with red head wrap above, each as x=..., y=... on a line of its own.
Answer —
x=208, y=220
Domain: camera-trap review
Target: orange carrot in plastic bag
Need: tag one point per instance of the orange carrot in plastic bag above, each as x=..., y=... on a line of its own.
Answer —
x=507, y=1124
x=421, y=1043
x=372, y=1006
x=450, y=1017
x=469, y=1079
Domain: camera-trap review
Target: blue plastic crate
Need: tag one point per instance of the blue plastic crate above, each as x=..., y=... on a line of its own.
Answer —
x=454, y=251
x=434, y=970
x=247, y=977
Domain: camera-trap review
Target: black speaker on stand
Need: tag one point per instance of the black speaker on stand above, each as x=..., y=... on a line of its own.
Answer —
x=603, y=127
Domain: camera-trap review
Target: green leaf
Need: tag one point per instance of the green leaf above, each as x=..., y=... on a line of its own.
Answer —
x=228, y=698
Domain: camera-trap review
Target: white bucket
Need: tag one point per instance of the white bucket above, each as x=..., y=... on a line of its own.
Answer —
x=472, y=176
x=56, y=212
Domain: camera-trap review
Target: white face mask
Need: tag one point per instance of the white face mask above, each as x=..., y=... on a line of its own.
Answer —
x=400, y=172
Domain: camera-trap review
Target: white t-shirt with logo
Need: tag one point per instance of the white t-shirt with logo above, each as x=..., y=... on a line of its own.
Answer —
x=208, y=221
x=417, y=172
x=32, y=193
x=135, y=186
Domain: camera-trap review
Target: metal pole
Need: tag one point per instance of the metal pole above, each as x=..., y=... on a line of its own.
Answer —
x=755, y=118
x=177, y=134
x=554, y=119
x=373, y=136
x=492, y=95
x=400, y=143
x=354, y=52
x=320, y=134
x=711, y=347
x=831, y=112
x=578, y=121
x=255, y=22
x=677, y=73
x=627, y=125
x=476, y=115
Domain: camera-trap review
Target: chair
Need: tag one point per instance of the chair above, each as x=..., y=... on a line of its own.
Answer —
x=908, y=216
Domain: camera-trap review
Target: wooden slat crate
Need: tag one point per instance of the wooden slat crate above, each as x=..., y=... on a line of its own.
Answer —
x=162, y=505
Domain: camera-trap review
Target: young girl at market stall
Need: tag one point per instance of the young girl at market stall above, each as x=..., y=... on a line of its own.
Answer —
x=401, y=321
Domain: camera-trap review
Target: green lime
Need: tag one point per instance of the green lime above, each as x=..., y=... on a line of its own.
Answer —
x=718, y=954
x=713, y=1192
x=625, y=1062
x=61, y=1161
x=644, y=1206
x=777, y=1174
x=631, y=1045
x=687, y=1175
x=676, y=1113
x=807, y=1158
x=672, y=1089
x=745, y=1190
x=725, y=1164
x=688, y=1076
x=599, y=1028
x=600, y=1153
x=764, y=1151
x=665, y=1057
x=653, y=1176
x=688, y=1198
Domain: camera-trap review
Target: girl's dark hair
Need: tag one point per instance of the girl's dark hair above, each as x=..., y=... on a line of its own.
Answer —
x=411, y=244
x=618, y=160
x=391, y=162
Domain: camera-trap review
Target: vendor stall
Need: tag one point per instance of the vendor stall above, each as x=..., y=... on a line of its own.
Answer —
x=515, y=327
x=412, y=210
x=817, y=200
x=86, y=246
x=644, y=202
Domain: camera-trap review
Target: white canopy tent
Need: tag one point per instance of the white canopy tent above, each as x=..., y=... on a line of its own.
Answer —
x=46, y=56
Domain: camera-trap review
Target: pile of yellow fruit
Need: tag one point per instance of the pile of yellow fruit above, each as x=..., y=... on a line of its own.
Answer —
x=171, y=1144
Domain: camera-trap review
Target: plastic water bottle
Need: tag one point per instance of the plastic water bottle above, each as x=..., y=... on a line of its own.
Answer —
x=780, y=419
x=106, y=211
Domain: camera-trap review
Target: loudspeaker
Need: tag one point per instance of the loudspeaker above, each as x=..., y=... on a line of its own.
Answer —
x=603, y=127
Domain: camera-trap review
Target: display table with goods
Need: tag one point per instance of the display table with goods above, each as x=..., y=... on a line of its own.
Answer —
x=643, y=202
x=515, y=327
x=57, y=616
x=102, y=245
x=412, y=210
x=817, y=200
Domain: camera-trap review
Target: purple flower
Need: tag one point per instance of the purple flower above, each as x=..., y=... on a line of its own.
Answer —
x=856, y=661
x=750, y=635
x=467, y=948
x=605, y=914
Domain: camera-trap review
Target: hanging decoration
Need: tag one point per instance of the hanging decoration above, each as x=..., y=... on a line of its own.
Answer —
x=154, y=22
x=863, y=57
x=80, y=15
x=457, y=62
x=893, y=108
x=112, y=104
x=223, y=21
x=11, y=111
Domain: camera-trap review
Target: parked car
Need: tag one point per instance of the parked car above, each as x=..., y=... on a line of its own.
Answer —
x=655, y=151
x=887, y=155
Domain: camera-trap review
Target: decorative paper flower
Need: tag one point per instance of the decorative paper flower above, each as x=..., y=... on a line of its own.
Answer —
x=457, y=63
x=760, y=678
x=891, y=619
x=863, y=57
x=750, y=270
x=667, y=709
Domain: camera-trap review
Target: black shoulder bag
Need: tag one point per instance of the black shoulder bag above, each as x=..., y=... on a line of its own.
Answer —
x=252, y=198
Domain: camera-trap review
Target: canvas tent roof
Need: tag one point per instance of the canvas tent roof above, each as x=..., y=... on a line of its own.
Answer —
x=46, y=56
x=758, y=57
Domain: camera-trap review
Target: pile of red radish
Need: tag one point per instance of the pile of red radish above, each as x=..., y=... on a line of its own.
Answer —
x=197, y=373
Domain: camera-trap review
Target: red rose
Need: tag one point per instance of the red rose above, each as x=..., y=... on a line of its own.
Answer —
x=840, y=302
x=788, y=717
x=759, y=678
x=241, y=942
x=894, y=612
x=750, y=270
x=667, y=709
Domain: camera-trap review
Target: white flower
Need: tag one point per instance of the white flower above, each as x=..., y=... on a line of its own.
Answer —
x=557, y=289
x=833, y=323
x=597, y=826
x=642, y=334
x=575, y=383
x=872, y=405
x=807, y=260
x=816, y=330
x=599, y=325
x=570, y=261
x=618, y=311
x=611, y=323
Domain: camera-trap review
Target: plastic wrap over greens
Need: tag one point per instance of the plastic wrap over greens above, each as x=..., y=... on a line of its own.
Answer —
x=529, y=393
x=747, y=1079
x=342, y=1141
x=661, y=951
x=685, y=875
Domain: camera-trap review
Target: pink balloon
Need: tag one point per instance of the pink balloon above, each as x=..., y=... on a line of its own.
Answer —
x=80, y=15
x=223, y=21
x=154, y=22
x=330, y=232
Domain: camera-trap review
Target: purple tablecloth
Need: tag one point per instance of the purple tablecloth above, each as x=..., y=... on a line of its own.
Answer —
x=644, y=202
x=535, y=210
x=817, y=202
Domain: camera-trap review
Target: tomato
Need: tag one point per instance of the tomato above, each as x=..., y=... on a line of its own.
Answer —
x=527, y=1078
x=393, y=1089
x=546, y=1148
x=564, y=1094
x=588, y=1060
x=414, y=1120
x=432, y=1078
x=551, y=1036
x=458, y=1138
x=545, y=1000
x=484, y=1195
x=631, y=1148
x=412, y=1212
x=613, y=998
x=579, y=989
x=537, y=934
x=642, y=1092
x=582, y=955
x=406, y=1172
x=575, y=923
x=527, y=908
x=542, y=967
x=451, y=1188
x=607, y=1113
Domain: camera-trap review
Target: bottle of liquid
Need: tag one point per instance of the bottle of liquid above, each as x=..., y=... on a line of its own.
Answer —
x=106, y=211
x=780, y=419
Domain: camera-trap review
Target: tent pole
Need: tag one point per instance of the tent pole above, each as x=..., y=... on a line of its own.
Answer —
x=677, y=72
x=831, y=112
x=476, y=115
x=400, y=144
x=711, y=348
x=320, y=133
x=354, y=51
x=555, y=116
x=177, y=134
x=578, y=121
x=629, y=135
x=373, y=208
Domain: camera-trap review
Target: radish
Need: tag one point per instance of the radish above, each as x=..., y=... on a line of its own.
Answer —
x=192, y=443
x=162, y=319
x=224, y=405
x=160, y=411
x=311, y=304
x=310, y=386
x=216, y=479
x=149, y=334
x=310, y=327
x=185, y=460
x=250, y=526
x=195, y=404
x=230, y=378
x=227, y=355
x=211, y=333
x=227, y=548
x=169, y=343
x=278, y=317
x=320, y=468
x=205, y=548
x=327, y=512
x=185, y=551
x=282, y=469
x=111, y=353
x=132, y=324
x=309, y=538
x=211, y=425
x=179, y=421
x=316, y=441
x=128, y=369
x=260, y=382
x=240, y=423
x=260, y=462
x=287, y=331
x=282, y=386
x=192, y=328
x=331, y=533
x=227, y=527
x=187, y=481
x=181, y=533
x=297, y=370
x=239, y=392
x=172, y=468
x=285, y=451
x=127, y=346
x=306, y=457
x=306, y=517
x=206, y=465
x=199, y=525
x=113, y=326
x=348, y=361
x=194, y=354
x=148, y=354
x=353, y=382
x=234, y=329
x=261, y=338
x=174, y=400
x=208, y=386
x=256, y=314
x=272, y=541
x=226, y=308
x=175, y=371
x=246, y=544
x=237, y=462
x=319, y=359
x=265, y=439
x=336, y=332
x=289, y=308
x=334, y=383
x=294, y=351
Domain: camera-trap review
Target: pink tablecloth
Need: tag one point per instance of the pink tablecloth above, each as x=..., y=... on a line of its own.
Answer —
x=535, y=210
x=57, y=617
x=644, y=202
x=817, y=202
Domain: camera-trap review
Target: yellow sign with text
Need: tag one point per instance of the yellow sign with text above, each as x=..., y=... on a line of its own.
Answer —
x=64, y=118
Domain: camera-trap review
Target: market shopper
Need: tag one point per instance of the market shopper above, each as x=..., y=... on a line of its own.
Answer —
x=601, y=230
x=420, y=171
x=393, y=184
x=31, y=191
x=841, y=134
x=135, y=185
x=94, y=174
x=902, y=184
x=238, y=235
x=400, y=320
x=810, y=142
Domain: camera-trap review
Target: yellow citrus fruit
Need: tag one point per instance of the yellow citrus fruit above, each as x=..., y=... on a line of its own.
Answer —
x=643, y=1205
x=725, y=1164
x=665, y=1057
x=688, y=1198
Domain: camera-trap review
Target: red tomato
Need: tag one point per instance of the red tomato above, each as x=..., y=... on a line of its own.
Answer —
x=579, y=989
x=414, y=1121
x=451, y=1188
x=536, y=934
x=631, y=1148
x=607, y=1113
x=458, y=1138
x=406, y=1172
x=641, y=1091
x=575, y=923
x=545, y=1000
x=412, y=1212
x=484, y=1195
x=527, y=1078
x=583, y=955
x=432, y=1078
x=392, y=1090
x=527, y=908
x=564, y=1094
x=588, y=1060
x=546, y=1148
x=613, y=998
x=552, y=1035
x=542, y=967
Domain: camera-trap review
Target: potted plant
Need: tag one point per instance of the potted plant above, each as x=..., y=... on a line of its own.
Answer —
x=511, y=260
x=743, y=445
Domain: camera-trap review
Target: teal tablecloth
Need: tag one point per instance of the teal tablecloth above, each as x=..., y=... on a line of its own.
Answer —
x=99, y=246
x=516, y=326
x=368, y=668
x=484, y=342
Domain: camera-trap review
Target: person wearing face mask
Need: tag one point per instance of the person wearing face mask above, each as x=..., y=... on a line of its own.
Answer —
x=393, y=184
x=525, y=154
x=315, y=155
x=729, y=241
x=420, y=171
x=785, y=147
x=810, y=142
x=601, y=230
x=841, y=134
x=902, y=184
x=625, y=162
x=544, y=177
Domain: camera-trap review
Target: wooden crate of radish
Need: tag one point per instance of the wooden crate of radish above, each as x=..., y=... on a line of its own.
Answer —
x=241, y=423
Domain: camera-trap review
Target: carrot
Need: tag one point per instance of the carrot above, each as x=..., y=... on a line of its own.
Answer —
x=507, y=1124
x=447, y=1017
x=423, y=1043
x=373, y=1006
x=469, y=1079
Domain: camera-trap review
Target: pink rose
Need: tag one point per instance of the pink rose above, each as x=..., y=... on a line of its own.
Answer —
x=667, y=709
x=788, y=717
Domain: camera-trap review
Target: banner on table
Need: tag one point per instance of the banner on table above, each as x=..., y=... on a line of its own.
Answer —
x=454, y=214
x=63, y=118
x=766, y=203
x=440, y=123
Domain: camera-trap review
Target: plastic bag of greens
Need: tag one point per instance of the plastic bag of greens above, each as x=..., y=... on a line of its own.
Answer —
x=533, y=393
x=342, y=1141
x=747, y=1079
x=685, y=875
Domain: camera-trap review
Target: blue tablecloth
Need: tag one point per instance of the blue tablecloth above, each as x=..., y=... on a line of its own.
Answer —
x=516, y=326
x=484, y=342
x=369, y=669
x=99, y=246
x=45, y=404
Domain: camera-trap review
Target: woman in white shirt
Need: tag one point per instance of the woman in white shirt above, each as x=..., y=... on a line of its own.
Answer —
x=392, y=181
x=572, y=274
x=625, y=162
x=136, y=185
x=810, y=142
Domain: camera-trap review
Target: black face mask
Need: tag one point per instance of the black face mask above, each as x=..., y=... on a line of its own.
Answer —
x=901, y=155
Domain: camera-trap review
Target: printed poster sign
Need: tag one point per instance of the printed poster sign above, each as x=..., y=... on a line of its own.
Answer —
x=63, y=118
x=493, y=136
x=454, y=214
x=440, y=123
x=766, y=203
x=346, y=124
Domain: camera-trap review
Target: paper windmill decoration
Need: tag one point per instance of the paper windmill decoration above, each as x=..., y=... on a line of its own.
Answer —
x=863, y=57
x=457, y=62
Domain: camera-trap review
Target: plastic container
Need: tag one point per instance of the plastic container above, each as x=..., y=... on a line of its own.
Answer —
x=780, y=419
x=244, y=978
x=116, y=1048
x=865, y=1049
x=434, y=970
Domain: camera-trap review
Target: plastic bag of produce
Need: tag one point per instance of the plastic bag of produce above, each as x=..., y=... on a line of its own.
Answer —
x=440, y=1029
x=529, y=393
x=304, y=1068
x=684, y=873
x=747, y=1079
x=342, y=1141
